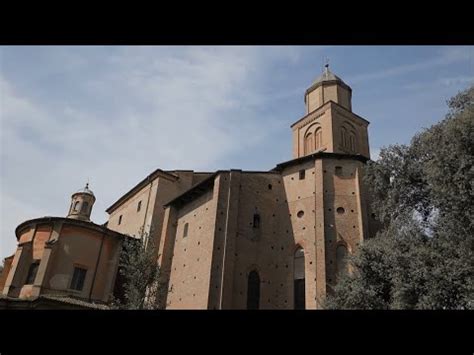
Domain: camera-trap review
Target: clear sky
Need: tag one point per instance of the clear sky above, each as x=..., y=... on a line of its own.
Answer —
x=114, y=114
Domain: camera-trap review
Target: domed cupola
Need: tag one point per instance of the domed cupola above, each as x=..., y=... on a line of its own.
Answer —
x=328, y=87
x=81, y=204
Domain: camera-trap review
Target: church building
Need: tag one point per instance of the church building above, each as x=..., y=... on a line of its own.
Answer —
x=278, y=239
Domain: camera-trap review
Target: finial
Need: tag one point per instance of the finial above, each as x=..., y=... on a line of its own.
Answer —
x=326, y=66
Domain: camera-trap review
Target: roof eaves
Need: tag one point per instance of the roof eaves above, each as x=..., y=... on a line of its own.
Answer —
x=311, y=113
x=158, y=172
x=319, y=155
x=71, y=221
x=204, y=184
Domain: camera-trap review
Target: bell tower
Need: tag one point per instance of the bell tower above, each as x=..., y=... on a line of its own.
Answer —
x=81, y=204
x=329, y=124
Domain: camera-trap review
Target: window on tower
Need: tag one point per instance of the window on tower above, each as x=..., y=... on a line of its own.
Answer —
x=352, y=142
x=318, y=138
x=76, y=206
x=85, y=207
x=308, y=143
x=343, y=137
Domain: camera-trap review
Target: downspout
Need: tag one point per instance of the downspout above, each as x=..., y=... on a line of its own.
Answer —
x=96, y=266
x=147, y=203
x=225, y=242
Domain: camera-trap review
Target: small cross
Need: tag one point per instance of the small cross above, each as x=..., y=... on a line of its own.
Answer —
x=327, y=62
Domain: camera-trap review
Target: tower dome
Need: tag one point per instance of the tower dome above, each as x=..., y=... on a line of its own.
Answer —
x=85, y=190
x=326, y=76
x=328, y=87
x=81, y=204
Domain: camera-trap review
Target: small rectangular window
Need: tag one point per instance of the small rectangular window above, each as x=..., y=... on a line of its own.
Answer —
x=185, y=230
x=30, y=278
x=302, y=174
x=120, y=220
x=256, y=220
x=339, y=170
x=139, y=206
x=78, y=278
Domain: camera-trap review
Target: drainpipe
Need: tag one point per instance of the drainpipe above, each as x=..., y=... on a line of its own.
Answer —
x=96, y=266
x=147, y=203
x=225, y=242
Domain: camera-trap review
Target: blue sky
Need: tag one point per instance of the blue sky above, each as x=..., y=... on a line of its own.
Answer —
x=114, y=114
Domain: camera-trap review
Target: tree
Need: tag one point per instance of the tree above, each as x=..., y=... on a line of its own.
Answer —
x=139, y=275
x=423, y=193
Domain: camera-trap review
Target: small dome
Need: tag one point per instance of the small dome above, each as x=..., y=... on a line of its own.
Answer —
x=85, y=190
x=326, y=76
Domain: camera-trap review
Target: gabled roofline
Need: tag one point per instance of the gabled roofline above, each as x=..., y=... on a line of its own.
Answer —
x=197, y=189
x=349, y=111
x=158, y=172
x=311, y=113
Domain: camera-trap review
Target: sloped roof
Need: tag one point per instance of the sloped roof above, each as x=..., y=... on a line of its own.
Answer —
x=327, y=77
x=85, y=190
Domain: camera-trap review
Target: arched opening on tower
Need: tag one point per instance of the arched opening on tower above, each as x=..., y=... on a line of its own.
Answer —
x=352, y=142
x=253, y=290
x=308, y=143
x=299, y=279
x=318, y=135
x=343, y=137
x=85, y=207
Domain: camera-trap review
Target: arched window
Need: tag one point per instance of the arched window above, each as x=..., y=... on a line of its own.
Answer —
x=84, y=207
x=253, y=290
x=353, y=145
x=308, y=143
x=299, y=279
x=343, y=137
x=76, y=206
x=319, y=138
x=341, y=259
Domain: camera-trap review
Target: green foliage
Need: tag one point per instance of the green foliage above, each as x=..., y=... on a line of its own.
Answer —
x=139, y=270
x=424, y=195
